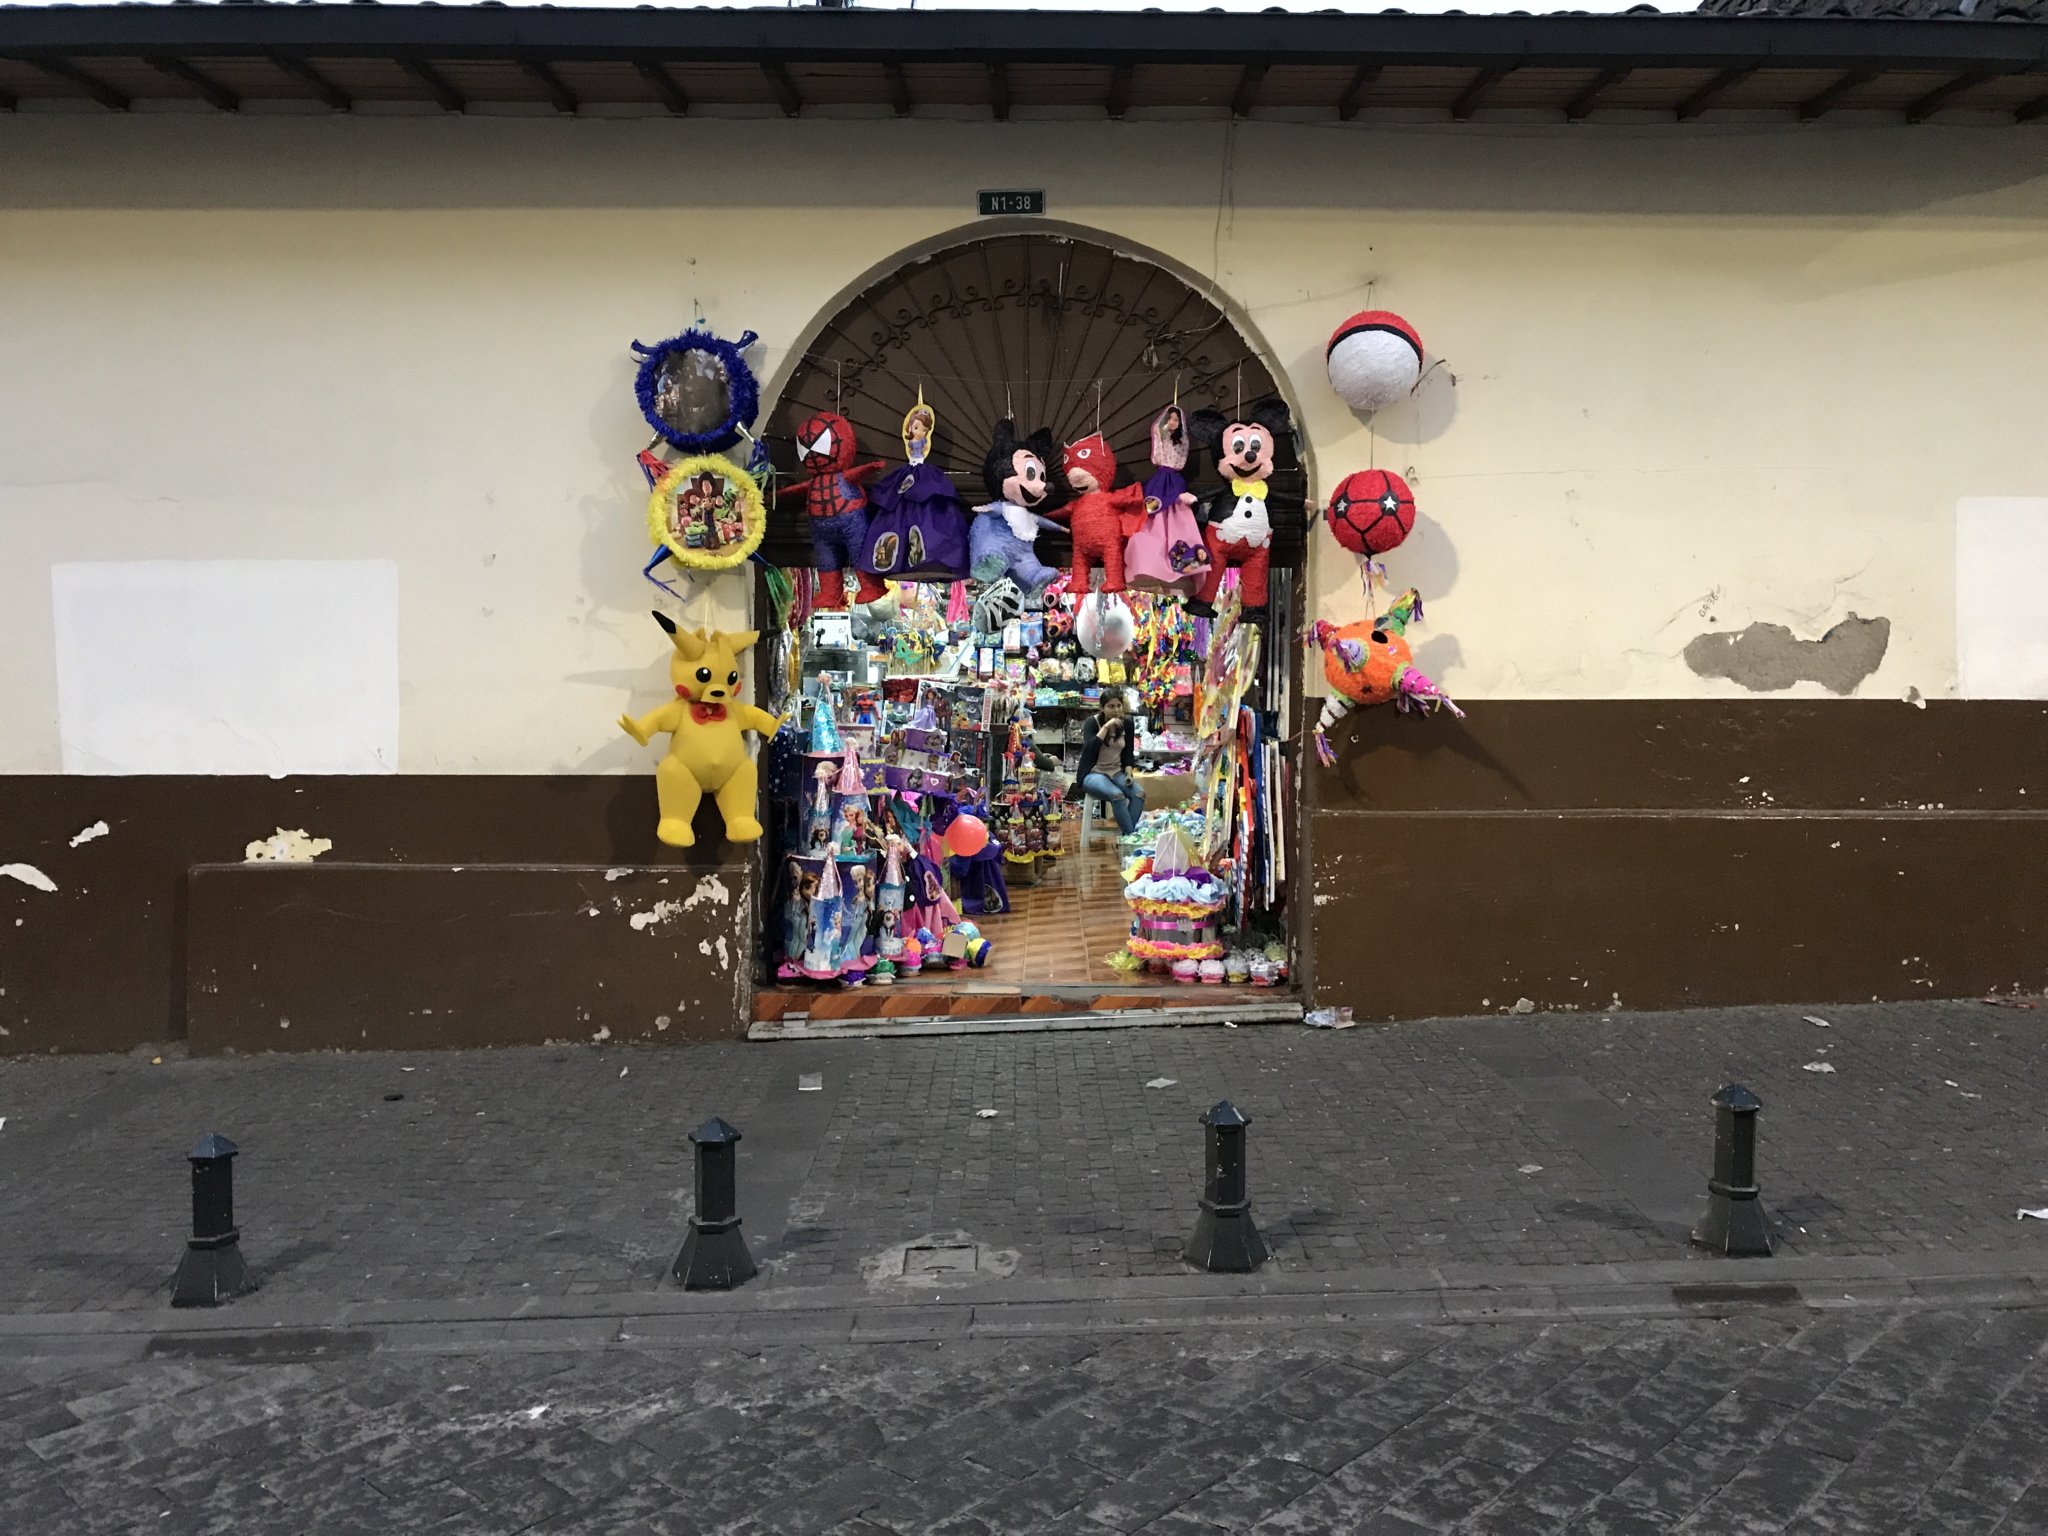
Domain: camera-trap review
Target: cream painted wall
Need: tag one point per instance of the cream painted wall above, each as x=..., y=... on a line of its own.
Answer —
x=1732, y=373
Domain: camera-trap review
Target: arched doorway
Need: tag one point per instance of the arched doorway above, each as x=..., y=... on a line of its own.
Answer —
x=1074, y=333
x=1026, y=324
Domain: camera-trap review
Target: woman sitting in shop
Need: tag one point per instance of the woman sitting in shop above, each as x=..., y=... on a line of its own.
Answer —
x=1105, y=767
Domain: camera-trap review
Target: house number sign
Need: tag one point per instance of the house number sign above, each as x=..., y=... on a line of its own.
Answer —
x=993, y=203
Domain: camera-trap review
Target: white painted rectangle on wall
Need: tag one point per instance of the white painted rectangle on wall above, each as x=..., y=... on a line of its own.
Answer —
x=227, y=666
x=2002, y=597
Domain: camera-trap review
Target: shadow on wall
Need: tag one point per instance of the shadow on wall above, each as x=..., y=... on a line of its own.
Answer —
x=1375, y=733
x=481, y=162
x=1423, y=417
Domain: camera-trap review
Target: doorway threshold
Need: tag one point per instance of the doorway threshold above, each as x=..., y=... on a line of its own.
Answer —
x=880, y=1013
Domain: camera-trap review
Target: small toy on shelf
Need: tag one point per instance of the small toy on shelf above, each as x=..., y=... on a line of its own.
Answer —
x=705, y=722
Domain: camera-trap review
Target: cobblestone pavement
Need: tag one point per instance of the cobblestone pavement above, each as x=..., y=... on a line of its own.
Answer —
x=1526, y=1141
x=1843, y=1424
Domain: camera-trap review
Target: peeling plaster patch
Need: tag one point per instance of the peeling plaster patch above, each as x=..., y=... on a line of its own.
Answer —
x=711, y=889
x=704, y=947
x=660, y=912
x=287, y=847
x=616, y=874
x=28, y=874
x=662, y=1021
x=97, y=829
x=1323, y=898
x=1767, y=657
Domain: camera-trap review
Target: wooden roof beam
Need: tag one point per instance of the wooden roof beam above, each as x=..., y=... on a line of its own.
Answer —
x=1707, y=94
x=1356, y=92
x=560, y=95
x=899, y=88
x=322, y=87
x=779, y=77
x=1580, y=106
x=436, y=83
x=1475, y=91
x=92, y=85
x=1824, y=98
x=1246, y=95
x=1943, y=94
x=1121, y=78
x=999, y=90
x=215, y=94
x=672, y=95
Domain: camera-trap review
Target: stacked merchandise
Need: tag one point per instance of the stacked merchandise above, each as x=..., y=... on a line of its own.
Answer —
x=861, y=893
x=1176, y=909
x=1028, y=816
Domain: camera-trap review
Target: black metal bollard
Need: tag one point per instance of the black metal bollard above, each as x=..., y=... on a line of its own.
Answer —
x=1735, y=1223
x=212, y=1270
x=714, y=1256
x=1226, y=1240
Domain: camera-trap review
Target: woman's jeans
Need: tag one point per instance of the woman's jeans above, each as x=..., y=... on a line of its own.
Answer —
x=1125, y=796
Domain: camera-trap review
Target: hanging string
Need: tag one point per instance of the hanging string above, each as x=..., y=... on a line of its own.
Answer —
x=1023, y=380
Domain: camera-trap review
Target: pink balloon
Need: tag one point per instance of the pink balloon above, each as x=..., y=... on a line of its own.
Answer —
x=966, y=837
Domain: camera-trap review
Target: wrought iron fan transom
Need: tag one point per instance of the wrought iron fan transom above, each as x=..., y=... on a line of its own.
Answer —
x=1053, y=330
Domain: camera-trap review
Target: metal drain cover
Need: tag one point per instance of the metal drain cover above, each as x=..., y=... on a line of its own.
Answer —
x=953, y=1259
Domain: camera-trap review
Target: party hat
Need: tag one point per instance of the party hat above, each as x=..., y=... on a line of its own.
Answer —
x=850, y=782
x=1174, y=854
x=825, y=740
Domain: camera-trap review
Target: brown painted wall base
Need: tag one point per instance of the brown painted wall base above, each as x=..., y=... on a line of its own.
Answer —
x=396, y=957
x=115, y=956
x=1671, y=852
x=1674, y=854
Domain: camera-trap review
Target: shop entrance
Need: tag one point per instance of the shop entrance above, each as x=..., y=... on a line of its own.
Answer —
x=1017, y=794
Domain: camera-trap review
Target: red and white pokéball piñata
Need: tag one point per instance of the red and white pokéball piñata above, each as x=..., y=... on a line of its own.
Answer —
x=1371, y=511
x=1374, y=359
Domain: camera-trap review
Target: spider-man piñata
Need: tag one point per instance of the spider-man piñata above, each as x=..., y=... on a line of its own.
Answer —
x=838, y=505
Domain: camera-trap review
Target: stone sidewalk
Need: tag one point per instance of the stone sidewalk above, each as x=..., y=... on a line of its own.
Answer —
x=1859, y=1424
x=1505, y=1145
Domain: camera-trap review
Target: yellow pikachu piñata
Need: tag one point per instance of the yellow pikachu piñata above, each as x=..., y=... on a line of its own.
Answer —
x=705, y=748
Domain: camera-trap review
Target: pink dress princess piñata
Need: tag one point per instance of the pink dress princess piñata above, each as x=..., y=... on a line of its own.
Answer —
x=1168, y=553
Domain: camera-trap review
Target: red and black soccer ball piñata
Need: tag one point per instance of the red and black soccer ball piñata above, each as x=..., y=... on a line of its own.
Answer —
x=1371, y=511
